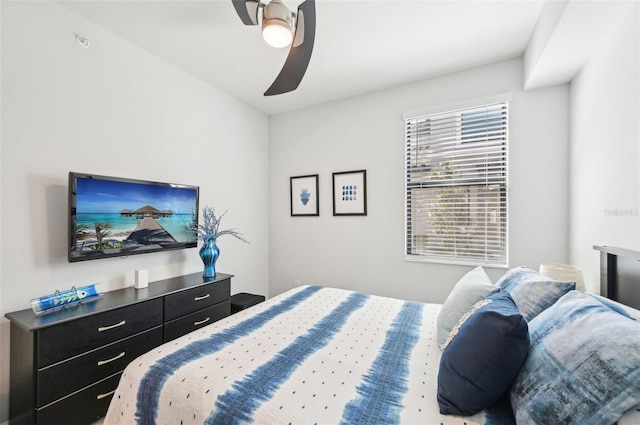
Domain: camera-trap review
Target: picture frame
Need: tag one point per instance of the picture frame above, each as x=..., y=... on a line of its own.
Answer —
x=350, y=193
x=303, y=197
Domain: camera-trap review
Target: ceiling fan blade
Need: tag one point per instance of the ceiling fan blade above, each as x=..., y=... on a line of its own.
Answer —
x=247, y=10
x=300, y=54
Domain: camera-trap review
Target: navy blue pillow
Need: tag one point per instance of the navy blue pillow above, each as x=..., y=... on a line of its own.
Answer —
x=483, y=359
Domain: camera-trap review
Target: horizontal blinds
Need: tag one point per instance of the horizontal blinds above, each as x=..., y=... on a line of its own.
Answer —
x=456, y=185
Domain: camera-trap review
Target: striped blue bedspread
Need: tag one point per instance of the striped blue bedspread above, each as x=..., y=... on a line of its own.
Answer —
x=313, y=355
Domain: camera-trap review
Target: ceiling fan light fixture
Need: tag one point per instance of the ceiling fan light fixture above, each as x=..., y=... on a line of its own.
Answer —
x=277, y=24
x=276, y=33
x=281, y=27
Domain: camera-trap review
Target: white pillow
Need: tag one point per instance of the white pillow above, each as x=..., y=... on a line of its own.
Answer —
x=471, y=288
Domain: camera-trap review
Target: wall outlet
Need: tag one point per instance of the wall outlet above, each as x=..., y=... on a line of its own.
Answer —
x=296, y=283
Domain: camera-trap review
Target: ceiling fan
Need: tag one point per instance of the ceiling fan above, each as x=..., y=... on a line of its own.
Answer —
x=281, y=28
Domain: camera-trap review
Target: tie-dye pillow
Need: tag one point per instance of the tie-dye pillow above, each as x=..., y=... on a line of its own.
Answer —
x=583, y=366
x=532, y=292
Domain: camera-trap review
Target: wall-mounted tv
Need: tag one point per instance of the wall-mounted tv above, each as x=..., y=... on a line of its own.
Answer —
x=117, y=217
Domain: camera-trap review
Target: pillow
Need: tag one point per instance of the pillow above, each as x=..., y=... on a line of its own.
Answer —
x=583, y=366
x=625, y=310
x=532, y=292
x=471, y=288
x=481, y=361
x=631, y=417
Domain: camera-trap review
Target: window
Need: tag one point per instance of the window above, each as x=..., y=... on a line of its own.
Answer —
x=456, y=186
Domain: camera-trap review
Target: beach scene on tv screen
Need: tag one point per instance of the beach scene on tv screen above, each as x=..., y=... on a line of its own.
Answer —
x=116, y=216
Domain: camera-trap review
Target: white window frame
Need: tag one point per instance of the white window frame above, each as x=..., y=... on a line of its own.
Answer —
x=424, y=180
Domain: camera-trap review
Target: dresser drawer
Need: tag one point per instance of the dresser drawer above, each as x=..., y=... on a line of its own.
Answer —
x=78, y=372
x=72, y=338
x=194, y=299
x=81, y=408
x=193, y=321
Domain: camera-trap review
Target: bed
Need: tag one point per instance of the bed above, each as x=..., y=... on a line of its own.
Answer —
x=321, y=355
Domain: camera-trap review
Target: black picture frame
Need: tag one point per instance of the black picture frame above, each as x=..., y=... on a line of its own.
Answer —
x=303, y=195
x=350, y=193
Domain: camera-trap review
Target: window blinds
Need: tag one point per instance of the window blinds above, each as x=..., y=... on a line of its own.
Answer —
x=456, y=186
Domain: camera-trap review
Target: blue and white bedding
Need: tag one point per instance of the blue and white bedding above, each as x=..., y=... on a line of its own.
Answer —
x=316, y=355
x=311, y=355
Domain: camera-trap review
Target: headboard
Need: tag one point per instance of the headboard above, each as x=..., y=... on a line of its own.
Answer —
x=620, y=275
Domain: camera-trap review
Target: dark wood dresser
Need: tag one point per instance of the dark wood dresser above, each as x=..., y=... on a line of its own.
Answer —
x=65, y=365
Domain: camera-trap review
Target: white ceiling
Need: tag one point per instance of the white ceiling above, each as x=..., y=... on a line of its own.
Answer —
x=360, y=46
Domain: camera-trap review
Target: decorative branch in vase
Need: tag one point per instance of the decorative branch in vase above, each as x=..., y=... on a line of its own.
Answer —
x=209, y=232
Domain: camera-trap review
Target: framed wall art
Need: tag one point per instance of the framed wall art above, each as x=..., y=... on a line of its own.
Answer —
x=304, y=195
x=350, y=193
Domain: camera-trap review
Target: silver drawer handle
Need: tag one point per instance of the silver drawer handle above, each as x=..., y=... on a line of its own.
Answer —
x=103, y=362
x=201, y=322
x=204, y=297
x=106, y=328
x=105, y=395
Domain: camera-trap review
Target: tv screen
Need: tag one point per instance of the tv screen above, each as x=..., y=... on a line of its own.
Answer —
x=117, y=217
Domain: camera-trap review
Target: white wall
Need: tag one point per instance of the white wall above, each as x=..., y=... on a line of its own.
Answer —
x=605, y=149
x=113, y=109
x=366, y=253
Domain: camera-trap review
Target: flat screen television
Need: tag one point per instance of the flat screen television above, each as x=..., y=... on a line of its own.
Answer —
x=117, y=217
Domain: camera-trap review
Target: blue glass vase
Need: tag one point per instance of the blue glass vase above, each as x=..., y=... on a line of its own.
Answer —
x=209, y=252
